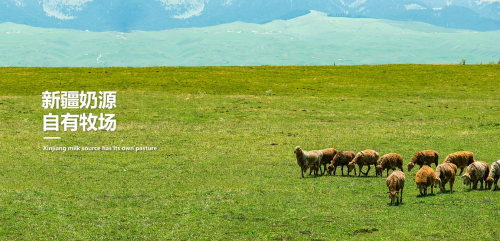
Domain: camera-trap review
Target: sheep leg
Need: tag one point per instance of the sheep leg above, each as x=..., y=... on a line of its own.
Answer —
x=481, y=180
x=342, y=169
x=366, y=173
x=496, y=183
x=474, y=185
x=302, y=171
x=387, y=172
x=401, y=199
x=432, y=189
x=360, y=166
x=451, y=185
x=461, y=170
x=334, y=169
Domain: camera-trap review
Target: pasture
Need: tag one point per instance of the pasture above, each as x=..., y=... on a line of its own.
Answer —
x=225, y=167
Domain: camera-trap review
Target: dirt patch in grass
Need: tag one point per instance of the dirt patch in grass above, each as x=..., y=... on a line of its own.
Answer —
x=364, y=230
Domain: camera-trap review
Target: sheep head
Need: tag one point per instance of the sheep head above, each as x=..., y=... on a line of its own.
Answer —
x=297, y=150
x=330, y=169
x=393, y=195
x=410, y=166
x=379, y=170
x=467, y=179
x=350, y=166
x=437, y=183
x=489, y=182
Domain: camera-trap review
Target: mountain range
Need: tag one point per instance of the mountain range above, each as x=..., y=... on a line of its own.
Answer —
x=311, y=39
x=153, y=15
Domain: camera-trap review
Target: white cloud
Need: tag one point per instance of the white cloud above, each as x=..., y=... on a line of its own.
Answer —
x=414, y=6
x=62, y=9
x=186, y=8
x=226, y=2
x=489, y=1
x=357, y=3
x=19, y=3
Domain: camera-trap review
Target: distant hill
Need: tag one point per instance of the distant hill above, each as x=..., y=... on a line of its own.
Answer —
x=154, y=15
x=312, y=39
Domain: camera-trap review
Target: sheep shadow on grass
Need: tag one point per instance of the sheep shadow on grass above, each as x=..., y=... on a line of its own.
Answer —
x=446, y=192
x=397, y=204
x=428, y=195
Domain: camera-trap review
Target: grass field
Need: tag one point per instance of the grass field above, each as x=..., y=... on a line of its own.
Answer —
x=225, y=167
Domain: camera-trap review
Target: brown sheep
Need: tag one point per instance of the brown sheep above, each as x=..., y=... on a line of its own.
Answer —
x=389, y=161
x=341, y=159
x=395, y=182
x=425, y=177
x=461, y=159
x=424, y=158
x=494, y=175
x=445, y=173
x=476, y=172
x=363, y=158
x=327, y=158
x=308, y=159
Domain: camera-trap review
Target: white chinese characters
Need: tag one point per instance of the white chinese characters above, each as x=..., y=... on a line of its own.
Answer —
x=79, y=100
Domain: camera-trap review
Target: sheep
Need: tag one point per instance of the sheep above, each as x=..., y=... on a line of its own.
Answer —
x=327, y=158
x=425, y=177
x=476, y=171
x=363, y=158
x=494, y=175
x=487, y=172
x=340, y=159
x=445, y=173
x=424, y=158
x=308, y=159
x=461, y=159
x=389, y=161
x=395, y=182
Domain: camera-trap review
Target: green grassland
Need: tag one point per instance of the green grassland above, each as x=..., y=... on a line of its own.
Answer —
x=312, y=39
x=225, y=167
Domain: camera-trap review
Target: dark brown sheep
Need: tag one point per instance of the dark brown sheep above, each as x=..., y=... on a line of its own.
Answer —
x=461, y=159
x=341, y=159
x=424, y=158
x=327, y=158
x=389, y=161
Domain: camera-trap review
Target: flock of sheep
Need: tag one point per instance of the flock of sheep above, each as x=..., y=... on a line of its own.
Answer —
x=330, y=159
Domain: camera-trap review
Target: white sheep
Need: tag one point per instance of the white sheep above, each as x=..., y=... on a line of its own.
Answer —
x=308, y=159
x=445, y=173
x=476, y=172
x=494, y=175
